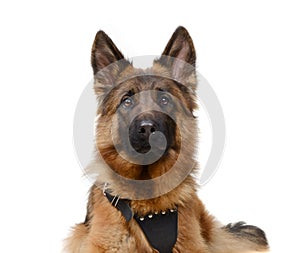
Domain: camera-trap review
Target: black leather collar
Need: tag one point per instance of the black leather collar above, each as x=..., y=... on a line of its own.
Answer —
x=121, y=204
x=161, y=229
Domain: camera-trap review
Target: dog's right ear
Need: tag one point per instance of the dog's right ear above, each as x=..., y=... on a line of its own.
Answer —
x=104, y=52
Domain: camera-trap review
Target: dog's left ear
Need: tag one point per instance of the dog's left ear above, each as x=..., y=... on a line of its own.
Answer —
x=181, y=46
x=179, y=55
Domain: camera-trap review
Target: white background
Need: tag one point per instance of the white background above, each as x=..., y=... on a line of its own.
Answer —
x=248, y=51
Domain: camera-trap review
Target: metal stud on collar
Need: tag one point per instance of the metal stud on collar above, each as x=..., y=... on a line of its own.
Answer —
x=104, y=189
x=115, y=200
x=151, y=215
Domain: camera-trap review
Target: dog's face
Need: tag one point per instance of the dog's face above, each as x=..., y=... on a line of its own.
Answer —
x=145, y=114
x=134, y=114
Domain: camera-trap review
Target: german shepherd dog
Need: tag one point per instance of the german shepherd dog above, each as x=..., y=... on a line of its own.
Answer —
x=144, y=198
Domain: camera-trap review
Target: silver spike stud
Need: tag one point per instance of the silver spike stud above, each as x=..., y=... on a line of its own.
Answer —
x=150, y=216
x=163, y=212
x=142, y=218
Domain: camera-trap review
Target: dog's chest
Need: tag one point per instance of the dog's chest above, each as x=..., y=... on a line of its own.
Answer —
x=160, y=229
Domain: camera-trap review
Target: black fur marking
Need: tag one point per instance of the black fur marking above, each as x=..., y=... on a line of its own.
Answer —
x=249, y=232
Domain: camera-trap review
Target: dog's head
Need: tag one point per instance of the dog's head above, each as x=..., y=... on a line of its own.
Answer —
x=145, y=116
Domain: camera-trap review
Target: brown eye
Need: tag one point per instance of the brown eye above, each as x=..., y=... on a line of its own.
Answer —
x=164, y=100
x=127, y=102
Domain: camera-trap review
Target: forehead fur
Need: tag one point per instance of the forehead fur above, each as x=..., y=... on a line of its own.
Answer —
x=135, y=80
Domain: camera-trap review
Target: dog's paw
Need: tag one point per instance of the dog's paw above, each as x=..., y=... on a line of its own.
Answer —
x=252, y=233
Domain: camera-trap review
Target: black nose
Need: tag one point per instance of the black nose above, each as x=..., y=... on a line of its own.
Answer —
x=145, y=128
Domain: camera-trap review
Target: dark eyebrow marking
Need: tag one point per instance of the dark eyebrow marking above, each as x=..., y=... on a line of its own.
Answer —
x=130, y=93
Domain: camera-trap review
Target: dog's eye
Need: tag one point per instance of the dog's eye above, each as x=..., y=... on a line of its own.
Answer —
x=127, y=102
x=164, y=100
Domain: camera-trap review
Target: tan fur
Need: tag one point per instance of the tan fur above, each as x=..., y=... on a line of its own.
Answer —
x=105, y=229
x=198, y=231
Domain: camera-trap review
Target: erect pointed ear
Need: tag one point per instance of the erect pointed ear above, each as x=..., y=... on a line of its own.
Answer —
x=179, y=55
x=104, y=52
x=181, y=46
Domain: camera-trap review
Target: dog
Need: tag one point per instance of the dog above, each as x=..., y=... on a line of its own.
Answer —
x=144, y=198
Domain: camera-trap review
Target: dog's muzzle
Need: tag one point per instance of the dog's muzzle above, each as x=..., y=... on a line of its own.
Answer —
x=146, y=130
